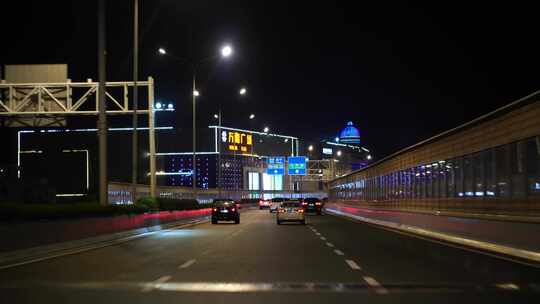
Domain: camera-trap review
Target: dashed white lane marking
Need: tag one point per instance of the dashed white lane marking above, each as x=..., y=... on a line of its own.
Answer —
x=187, y=264
x=353, y=264
x=323, y=238
x=329, y=244
x=236, y=232
x=378, y=287
x=156, y=284
x=338, y=252
x=508, y=286
x=317, y=233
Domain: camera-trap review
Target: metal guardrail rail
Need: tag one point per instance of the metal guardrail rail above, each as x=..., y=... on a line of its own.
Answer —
x=120, y=193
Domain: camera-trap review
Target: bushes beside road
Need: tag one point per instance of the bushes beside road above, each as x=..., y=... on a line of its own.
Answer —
x=21, y=211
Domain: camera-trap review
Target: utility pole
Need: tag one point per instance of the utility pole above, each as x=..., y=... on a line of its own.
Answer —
x=135, y=142
x=194, y=165
x=102, y=117
x=219, y=152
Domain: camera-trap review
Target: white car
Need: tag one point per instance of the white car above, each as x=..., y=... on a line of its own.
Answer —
x=275, y=203
x=291, y=211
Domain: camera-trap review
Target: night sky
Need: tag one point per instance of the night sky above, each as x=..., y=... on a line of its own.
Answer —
x=400, y=72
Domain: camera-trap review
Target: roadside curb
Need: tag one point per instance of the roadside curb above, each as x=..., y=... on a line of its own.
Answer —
x=527, y=257
x=488, y=216
x=45, y=252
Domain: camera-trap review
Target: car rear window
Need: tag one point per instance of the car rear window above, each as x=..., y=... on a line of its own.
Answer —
x=311, y=200
x=223, y=203
x=290, y=204
x=278, y=200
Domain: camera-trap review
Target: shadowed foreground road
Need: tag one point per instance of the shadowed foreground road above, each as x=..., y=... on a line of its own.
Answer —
x=257, y=261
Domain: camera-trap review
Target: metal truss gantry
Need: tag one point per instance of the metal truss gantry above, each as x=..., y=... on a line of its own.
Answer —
x=320, y=170
x=20, y=101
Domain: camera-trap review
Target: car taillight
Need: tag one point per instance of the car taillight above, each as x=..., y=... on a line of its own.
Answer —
x=232, y=209
x=260, y=202
x=304, y=204
x=281, y=210
x=300, y=210
x=318, y=203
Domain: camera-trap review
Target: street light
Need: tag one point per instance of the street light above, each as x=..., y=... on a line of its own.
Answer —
x=266, y=129
x=226, y=51
x=339, y=153
x=251, y=116
x=310, y=148
x=369, y=157
x=216, y=116
x=243, y=91
x=158, y=105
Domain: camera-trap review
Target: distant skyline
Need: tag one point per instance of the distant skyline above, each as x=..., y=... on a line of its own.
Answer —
x=400, y=73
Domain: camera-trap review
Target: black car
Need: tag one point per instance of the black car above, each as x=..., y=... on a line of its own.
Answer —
x=225, y=210
x=312, y=204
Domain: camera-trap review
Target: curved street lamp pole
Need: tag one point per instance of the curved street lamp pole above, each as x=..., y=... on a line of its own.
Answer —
x=194, y=164
x=226, y=51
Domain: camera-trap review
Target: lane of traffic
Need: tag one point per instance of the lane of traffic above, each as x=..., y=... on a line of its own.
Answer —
x=266, y=252
x=395, y=258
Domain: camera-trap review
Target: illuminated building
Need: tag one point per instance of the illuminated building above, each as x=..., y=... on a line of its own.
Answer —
x=243, y=160
x=345, y=149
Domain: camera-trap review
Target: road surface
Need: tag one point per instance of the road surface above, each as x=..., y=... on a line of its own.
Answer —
x=328, y=260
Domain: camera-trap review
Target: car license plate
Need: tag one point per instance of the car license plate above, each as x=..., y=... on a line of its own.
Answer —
x=224, y=211
x=311, y=205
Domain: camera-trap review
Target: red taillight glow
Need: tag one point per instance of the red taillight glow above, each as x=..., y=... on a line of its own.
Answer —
x=232, y=209
x=318, y=203
x=300, y=210
x=260, y=202
x=281, y=210
x=304, y=204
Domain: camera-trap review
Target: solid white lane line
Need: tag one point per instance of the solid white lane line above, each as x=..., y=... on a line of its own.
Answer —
x=323, y=238
x=150, y=286
x=187, y=264
x=317, y=233
x=329, y=244
x=353, y=264
x=378, y=287
x=338, y=252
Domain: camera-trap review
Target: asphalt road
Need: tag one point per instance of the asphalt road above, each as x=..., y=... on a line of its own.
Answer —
x=330, y=259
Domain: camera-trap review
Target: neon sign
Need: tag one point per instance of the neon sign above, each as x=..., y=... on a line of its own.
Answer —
x=237, y=141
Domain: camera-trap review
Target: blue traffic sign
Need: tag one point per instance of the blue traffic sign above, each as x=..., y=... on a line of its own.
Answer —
x=276, y=166
x=297, y=165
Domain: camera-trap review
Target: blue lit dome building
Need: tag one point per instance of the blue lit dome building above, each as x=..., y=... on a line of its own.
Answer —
x=350, y=134
x=347, y=149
